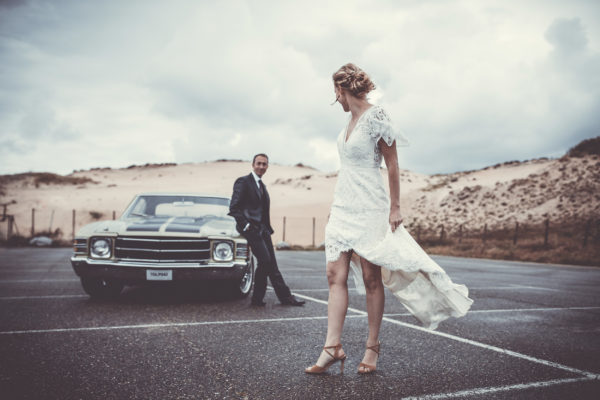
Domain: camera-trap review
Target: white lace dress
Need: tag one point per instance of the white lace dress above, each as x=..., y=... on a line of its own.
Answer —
x=359, y=221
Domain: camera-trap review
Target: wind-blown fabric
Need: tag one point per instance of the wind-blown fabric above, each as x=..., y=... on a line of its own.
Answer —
x=359, y=221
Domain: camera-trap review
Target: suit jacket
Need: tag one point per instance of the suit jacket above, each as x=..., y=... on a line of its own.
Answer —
x=246, y=204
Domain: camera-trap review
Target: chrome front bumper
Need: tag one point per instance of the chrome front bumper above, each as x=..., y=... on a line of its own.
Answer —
x=130, y=271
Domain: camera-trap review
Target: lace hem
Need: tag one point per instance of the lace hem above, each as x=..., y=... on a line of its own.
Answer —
x=335, y=250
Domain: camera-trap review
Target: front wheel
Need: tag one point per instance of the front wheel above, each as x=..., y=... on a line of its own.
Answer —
x=243, y=287
x=99, y=288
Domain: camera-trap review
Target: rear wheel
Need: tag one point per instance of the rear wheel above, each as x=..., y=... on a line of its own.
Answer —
x=243, y=287
x=99, y=288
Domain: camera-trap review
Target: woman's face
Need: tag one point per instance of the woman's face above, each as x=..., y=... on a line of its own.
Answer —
x=341, y=97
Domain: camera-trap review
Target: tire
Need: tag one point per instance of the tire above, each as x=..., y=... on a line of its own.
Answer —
x=242, y=288
x=99, y=288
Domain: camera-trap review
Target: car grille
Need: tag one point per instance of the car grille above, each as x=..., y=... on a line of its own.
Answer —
x=152, y=249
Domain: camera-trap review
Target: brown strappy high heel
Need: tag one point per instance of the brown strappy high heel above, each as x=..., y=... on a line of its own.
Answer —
x=315, y=369
x=366, y=368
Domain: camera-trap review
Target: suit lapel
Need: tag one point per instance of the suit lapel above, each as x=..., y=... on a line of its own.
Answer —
x=253, y=184
x=267, y=198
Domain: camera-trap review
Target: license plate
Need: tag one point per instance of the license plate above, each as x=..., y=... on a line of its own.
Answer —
x=159, y=274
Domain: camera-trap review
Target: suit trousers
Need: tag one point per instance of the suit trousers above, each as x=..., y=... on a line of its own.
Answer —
x=262, y=248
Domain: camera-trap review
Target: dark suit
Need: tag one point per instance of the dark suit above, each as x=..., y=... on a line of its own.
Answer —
x=249, y=206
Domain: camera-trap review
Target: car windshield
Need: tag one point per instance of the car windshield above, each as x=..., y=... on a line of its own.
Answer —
x=177, y=206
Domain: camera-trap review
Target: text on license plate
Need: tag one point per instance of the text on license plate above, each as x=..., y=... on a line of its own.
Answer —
x=159, y=274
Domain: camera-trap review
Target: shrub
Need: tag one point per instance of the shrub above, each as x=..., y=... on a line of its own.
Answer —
x=96, y=215
x=588, y=146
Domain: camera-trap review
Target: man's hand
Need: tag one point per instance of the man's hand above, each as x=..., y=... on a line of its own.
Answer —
x=395, y=219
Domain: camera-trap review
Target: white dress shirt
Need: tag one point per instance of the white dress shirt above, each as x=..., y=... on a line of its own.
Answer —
x=256, y=179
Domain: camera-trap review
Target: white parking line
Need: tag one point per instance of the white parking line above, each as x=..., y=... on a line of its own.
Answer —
x=486, y=390
x=508, y=310
x=538, y=288
x=20, y=269
x=296, y=269
x=512, y=287
x=460, y=261
x=37, y=280
x=58, y=296
x=474, y=343
x=174, y=324
x=318, y=290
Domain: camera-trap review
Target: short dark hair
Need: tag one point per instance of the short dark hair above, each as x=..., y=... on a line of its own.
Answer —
x=260, y=155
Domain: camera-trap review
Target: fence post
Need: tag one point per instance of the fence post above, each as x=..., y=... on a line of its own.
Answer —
x=32, y=222
x=484, y=232
x=442, y=233
x=546, y=223
x=460, y=233
x=51, y=221
x=11, y=219
x=73, y=224
x=587, y=232
x=4, y=212
x=114, y=215
x=313, y=236
x=516, y=233
x=283, y=239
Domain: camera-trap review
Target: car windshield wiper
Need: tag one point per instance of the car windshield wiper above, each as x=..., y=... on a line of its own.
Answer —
x=136, y=214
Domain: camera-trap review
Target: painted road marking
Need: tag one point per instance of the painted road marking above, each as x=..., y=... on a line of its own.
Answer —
x=37, y=280
x=58, y=296
x=174, y=324
x=472, y=342
x=509, y=310
x=486, y=390
x=538, y=288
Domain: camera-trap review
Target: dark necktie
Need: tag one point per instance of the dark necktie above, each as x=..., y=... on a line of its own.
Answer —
x=261, y=185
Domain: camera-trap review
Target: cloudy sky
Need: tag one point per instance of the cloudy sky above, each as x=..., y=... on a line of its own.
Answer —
x=471, y=83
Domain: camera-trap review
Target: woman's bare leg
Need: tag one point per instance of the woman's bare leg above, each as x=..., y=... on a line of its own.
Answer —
x=337, y=305
x=375, y=303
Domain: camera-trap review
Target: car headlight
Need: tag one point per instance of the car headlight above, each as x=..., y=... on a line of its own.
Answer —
x=100, y=247
x=223, y=251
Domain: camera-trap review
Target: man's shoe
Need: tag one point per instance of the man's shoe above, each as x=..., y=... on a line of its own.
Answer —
x=292, y=301
x=257, y=303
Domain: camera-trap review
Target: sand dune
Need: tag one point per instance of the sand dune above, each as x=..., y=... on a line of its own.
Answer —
x=529, y=191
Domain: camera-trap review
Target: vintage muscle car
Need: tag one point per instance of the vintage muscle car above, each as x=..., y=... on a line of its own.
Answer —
x=164, y=237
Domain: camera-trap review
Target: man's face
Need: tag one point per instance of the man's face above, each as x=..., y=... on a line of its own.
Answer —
x=260, y=165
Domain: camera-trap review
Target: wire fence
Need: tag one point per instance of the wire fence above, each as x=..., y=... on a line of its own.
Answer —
x=584, y=233
x=60, y=225
x=310, y=231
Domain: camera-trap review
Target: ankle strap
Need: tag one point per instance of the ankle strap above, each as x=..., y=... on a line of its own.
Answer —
x=335, y=347
x=375, y=347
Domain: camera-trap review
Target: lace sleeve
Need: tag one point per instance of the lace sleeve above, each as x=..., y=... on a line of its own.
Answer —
x=380, y=127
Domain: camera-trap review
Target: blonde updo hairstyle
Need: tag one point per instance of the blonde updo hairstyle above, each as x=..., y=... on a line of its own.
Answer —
x=353, y=79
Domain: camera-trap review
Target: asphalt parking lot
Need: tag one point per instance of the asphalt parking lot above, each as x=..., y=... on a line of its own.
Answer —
x=533, y=333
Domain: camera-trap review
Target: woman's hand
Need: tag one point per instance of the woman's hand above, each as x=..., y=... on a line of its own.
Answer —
x=395, y=218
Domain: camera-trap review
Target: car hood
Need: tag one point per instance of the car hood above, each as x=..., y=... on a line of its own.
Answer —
x=164, y=226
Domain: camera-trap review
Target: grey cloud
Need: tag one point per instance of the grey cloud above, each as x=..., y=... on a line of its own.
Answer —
x=567, y=35
x=471, y=85
x=12, y=3
x=10, y=146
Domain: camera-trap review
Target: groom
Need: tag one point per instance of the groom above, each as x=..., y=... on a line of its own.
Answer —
x=250, y=207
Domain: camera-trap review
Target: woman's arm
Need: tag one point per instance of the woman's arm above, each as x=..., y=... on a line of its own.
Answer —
x=391, y=162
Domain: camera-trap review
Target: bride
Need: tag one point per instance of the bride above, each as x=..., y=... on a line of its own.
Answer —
x=365, y=229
